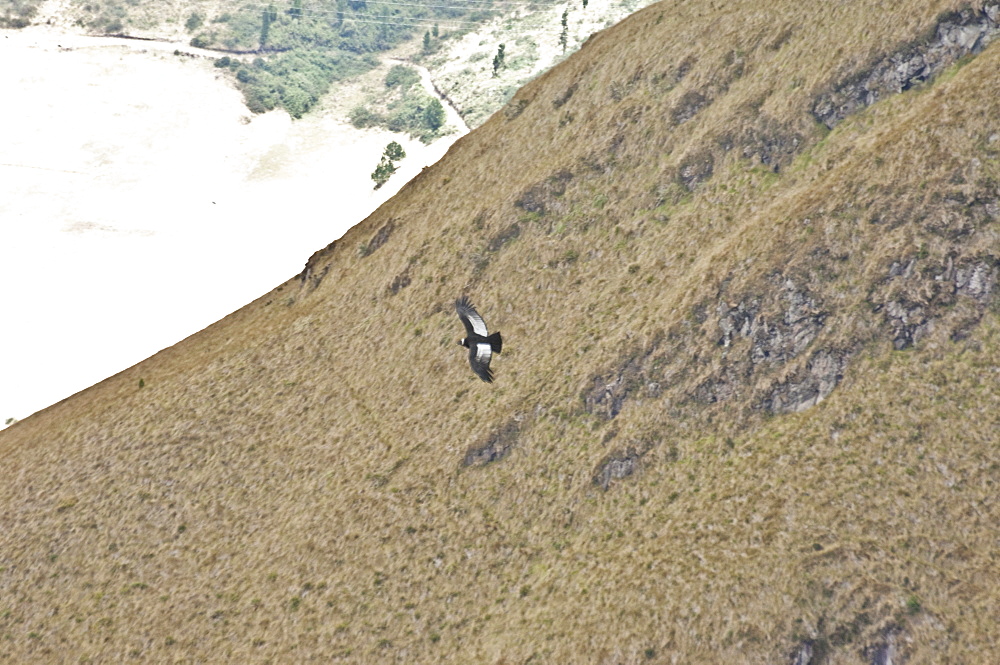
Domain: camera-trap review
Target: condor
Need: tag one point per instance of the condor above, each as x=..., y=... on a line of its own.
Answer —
x=481, y=346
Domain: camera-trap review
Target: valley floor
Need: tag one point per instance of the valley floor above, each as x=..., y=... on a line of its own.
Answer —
x=137, y=218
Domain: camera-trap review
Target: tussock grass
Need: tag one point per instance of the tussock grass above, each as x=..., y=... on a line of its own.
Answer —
x=289, y=484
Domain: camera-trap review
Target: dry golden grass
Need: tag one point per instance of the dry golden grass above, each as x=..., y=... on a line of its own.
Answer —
x=288, y=485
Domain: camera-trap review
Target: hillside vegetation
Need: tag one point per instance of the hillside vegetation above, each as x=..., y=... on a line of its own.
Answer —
x=745, y=264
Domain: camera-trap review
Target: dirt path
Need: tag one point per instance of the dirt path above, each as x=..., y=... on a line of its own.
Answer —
x=46, y=36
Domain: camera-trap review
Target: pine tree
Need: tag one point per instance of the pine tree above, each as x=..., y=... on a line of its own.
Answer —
x=498, y=60
x=564, y=35
x=427, y=42
x=265, y=25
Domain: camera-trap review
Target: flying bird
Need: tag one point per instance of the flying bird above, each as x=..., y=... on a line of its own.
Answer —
x=481, y=346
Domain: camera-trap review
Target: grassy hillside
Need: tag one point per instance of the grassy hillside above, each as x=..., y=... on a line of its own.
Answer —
x=745, y=263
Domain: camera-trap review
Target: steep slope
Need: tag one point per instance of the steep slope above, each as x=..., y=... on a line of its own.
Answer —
x=746, y=409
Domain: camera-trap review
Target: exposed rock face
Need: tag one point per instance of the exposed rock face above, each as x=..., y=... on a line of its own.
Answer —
x=310, y=275
x=804, y=654
x=608, y=392
x=918, y=295
x=809, y=386
x=380, y=238
x=956, y=35
x=496, y=446
x=793, y=320
x=887, y=651
x=616, y=466
x=779, y=339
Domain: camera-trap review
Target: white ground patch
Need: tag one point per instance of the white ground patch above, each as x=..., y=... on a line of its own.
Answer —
x=140, y=201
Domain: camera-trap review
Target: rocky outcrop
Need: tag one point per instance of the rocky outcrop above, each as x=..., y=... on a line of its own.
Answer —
x=607, y=392
x=919, y=295
x=956, y=35
x=380, y=238
x=810, y=385
x=496, y=446
x=617, y=466
x=312, y=274
x=773, y=339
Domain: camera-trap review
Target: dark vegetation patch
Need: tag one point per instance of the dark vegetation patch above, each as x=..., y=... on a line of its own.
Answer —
x=503, y=238
x=294, y=80
x=781, y=39
x=954, y=36
x=310, y=275
x=539, y=198
x=619, y=464
x=606, y=394
x=405, y=278
x=695, y=169
x=315, y=46
x=767, y=141
x=17, y=14
x=406, y=107
x=380, y=238
x=622, y=88
x=515, y=107
x=688, y=106
x=496, y=446
x=400, y=281
x=565, y=97
x=665, y=81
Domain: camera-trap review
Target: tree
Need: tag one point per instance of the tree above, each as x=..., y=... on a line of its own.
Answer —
x=564, y=35
x=427, y=42
x=394, y=152
x=498, y=60
x=434, y=115
x=435, y=31
x=386, y=168
x=383, y=172
x=265, y=27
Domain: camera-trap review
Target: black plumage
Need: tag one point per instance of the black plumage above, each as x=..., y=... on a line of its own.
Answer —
x=481, y=345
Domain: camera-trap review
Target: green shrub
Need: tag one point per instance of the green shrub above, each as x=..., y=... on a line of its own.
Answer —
x=361, y=117
x=401, y=76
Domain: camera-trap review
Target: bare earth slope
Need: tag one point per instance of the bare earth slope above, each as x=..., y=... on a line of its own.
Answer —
x=746, y=412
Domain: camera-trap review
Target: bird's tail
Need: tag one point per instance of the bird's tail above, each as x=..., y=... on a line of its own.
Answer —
x=495, y=341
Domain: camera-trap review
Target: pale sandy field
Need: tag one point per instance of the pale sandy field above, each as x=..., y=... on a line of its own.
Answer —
x=140, y=201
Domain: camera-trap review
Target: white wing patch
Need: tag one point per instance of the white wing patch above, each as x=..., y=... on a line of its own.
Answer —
x=483, y=354
x=478, y=325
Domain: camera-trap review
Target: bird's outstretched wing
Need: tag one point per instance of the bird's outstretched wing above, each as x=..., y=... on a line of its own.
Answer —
x=479, y=358
x=470, y=317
